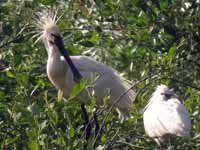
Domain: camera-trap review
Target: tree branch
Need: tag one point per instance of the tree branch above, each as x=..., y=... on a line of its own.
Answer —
x=117, y=100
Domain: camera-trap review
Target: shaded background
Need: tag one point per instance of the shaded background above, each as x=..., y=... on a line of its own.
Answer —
x=155, y=40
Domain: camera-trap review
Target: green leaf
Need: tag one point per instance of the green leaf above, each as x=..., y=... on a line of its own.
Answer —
x=10, y=74
x=93, y=102
x=71, y=132
x=77, y=89
x=100, y=147
x=163, y=5
x=103, y=139
x=94, y=37
x=172, y=52
x=2, y=94
x=48, y=2
x=33, y=145
x=90, y=144
x=106, y=100
x=54, y=116
x=10, y=140
x=41, y=83
x=78, y=36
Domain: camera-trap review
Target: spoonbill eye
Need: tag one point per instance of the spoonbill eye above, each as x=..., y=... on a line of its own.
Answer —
x=167, y=95
x=51, y=42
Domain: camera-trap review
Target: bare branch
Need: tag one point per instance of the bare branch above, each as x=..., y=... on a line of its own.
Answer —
x=117, y=100
x=18, y=37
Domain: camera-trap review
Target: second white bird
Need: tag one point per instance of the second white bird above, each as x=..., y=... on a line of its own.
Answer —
x=165, y=117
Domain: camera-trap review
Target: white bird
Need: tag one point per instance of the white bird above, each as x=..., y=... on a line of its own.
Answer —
x=63, y=70
x=165, y=117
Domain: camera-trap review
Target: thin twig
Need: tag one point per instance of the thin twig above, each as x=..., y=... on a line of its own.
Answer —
x=96, y=124
x=117, y=100
x=9, y=42
x=130, y=145
x=17, y=37
x=87, y=125
x=110, y=142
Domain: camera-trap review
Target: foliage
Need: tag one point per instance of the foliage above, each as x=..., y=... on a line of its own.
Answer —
x=139, y=38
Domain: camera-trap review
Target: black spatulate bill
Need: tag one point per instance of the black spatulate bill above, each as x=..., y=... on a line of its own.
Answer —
x=59, y=43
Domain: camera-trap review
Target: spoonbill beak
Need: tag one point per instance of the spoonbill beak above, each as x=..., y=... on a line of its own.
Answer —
x=59, y=43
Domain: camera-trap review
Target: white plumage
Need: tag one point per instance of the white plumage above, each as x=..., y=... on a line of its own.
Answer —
x=165, y=117
x=60, y=74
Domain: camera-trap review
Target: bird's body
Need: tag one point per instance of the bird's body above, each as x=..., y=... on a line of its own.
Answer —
x=109, y=82
x=165, y=117
x=61, y=72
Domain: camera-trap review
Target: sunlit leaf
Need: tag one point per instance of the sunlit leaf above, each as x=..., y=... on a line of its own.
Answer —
x=33, y=145
x=10, y=74
x=77, y=89
x=71, y=132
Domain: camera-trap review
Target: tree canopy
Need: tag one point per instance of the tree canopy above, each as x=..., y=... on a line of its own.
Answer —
x=147, y=42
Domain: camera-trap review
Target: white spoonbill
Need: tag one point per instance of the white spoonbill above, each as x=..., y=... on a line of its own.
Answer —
x=165, y=117
x=63, y=70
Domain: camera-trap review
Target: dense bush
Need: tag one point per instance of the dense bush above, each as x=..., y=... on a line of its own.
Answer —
x=155, y=40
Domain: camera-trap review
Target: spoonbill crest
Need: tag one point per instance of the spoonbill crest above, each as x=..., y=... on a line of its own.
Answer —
x=63, y=70
x=165, y=117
